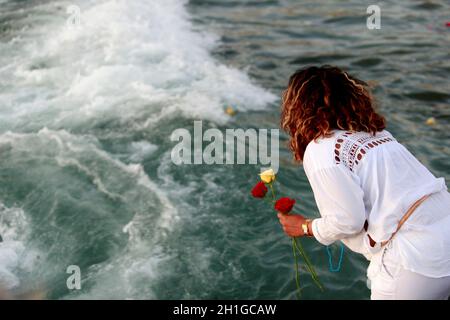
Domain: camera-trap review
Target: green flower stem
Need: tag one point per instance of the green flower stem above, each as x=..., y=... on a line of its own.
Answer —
x=297, y=276
x=273, y=192
x=297, y=246
x=309, y=265
x=269, y=201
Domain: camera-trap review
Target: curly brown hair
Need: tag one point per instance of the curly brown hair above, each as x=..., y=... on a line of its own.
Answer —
x=321, y=99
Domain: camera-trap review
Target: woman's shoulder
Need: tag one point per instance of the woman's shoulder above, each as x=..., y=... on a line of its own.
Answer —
x=319, y=152
x=342, y=147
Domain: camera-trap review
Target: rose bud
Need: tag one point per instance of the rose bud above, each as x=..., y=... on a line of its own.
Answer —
x=267, y=176
x=259, y=190
x=284, y=205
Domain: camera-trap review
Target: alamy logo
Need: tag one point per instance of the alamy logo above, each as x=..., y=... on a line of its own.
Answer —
x=74, y=280
x=374, y=18
x=230, y=147
x=74, y=20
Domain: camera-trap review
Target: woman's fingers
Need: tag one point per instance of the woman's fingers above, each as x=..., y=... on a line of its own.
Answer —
x=284, y=218
x=283, y=221
x=290, y=232
x=291, y=224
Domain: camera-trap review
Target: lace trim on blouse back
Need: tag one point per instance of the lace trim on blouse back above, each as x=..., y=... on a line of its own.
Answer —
x=351, y=147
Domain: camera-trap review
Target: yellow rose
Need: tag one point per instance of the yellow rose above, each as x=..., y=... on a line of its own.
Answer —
x=267, y=176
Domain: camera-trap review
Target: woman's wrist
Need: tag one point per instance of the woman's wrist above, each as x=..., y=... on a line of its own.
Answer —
x=309, y=226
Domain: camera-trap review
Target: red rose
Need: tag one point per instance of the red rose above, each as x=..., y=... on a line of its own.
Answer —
x=259, y=190
x=284, y=205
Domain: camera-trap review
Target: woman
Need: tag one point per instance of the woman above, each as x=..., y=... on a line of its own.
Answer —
x=367, y=186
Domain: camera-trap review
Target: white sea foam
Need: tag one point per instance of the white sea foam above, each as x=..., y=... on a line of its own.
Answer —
x=139, y=150
x=154, y=219
x=135, y=61
x=132, y=63
x=80, y=152
x=13, y=254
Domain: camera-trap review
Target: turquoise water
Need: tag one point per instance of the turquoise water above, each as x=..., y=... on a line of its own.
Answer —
x=85, y=120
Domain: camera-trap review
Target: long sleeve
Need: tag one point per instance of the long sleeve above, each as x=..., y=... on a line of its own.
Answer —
x=357, y=244
x=340, y=201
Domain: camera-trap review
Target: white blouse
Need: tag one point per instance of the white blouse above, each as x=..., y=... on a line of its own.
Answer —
x=355, y=177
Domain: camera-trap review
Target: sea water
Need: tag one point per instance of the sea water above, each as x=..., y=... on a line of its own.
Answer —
x=86, y=115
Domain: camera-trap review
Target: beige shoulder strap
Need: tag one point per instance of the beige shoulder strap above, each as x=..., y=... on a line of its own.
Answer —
x=406, y=216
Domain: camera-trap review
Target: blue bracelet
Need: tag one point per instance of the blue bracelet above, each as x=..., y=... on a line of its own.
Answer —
x=330, y=259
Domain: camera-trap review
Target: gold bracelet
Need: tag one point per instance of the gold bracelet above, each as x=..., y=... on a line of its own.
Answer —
x=305, y=228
